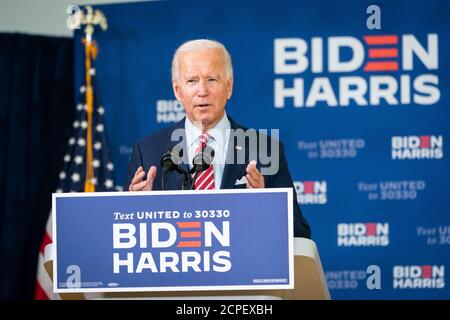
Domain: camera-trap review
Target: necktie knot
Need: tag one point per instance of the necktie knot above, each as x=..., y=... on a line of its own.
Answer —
x=204, y=137
x=205, y=179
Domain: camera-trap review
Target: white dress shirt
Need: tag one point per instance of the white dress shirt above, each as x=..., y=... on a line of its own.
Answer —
x=220, y=135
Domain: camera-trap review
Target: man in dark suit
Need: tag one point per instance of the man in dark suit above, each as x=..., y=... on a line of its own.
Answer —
x=202, y=80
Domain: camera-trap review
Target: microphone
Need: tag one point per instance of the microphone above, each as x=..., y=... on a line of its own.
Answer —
x=171, y=159
x=203, y=159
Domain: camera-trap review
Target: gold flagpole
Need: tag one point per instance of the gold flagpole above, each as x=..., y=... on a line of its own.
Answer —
x=91, y=18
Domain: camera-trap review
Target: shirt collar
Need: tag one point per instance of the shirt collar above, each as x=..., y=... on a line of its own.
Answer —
x=218, y=133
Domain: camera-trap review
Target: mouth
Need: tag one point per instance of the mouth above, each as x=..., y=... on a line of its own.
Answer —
x=203, y=105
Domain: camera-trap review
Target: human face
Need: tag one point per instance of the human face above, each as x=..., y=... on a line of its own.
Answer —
x=202, y=86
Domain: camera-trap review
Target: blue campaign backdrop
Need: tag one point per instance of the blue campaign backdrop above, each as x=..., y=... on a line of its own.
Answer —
x=363, y=114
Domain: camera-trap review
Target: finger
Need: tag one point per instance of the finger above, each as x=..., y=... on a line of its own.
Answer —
x=252, y=165
x=140, y=186
x=251, y=175
x=251, y=182
x=138, y=177
x=150, y=178
x=152, y=172
x=254, y=176
x=135, y=181
x=139, y=170
x=253, y=172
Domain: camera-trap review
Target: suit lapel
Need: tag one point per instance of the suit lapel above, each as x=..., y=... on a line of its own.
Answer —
x=233, y=170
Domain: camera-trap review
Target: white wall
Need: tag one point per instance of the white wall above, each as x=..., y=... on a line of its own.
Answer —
x=44, y=17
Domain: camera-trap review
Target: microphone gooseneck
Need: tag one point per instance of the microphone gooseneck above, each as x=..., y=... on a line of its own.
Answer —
x=171, y=161
x=201, y=162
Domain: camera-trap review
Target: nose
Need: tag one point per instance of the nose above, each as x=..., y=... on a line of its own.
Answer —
x=202, y=88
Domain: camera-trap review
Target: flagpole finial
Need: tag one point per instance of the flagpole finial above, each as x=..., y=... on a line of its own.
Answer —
x=91, y=18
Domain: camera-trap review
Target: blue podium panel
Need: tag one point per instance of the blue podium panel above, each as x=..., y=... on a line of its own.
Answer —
x=172, y=240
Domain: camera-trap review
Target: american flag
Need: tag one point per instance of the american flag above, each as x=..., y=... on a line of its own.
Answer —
x=87, y=165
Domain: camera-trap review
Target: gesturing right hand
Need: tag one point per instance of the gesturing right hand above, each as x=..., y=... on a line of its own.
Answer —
x=139, y=184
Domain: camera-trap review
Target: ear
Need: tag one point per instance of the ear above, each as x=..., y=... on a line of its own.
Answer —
x=176, y=89
x=229, y=88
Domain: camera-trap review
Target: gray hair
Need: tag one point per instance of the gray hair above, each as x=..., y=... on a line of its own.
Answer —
x=202, y=44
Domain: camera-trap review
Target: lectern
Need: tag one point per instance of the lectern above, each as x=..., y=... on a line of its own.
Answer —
x=202, y=245
x=310, y=282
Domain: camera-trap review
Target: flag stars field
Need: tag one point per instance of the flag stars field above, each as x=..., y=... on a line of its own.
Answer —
x=109, y=183
x=75, y=177
x=96, y=163
x=97, y=145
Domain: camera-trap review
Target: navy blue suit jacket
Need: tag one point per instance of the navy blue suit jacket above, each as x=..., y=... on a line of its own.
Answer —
x=148, y=151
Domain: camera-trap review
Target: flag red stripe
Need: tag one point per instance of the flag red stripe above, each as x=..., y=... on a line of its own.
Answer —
x=39, y=293
x=45, y=241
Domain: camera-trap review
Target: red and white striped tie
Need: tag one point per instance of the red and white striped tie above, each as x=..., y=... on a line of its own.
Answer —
x=205, y=179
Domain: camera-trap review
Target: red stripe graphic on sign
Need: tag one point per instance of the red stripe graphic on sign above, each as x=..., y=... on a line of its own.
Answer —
x=381, y=40
x=381, y=66
x=383, y=53
x=190, y=234
x=424, y=142
x=371, y=229
x=426, y=271
x=189, y=244
x=309, y=187
x=188, y=224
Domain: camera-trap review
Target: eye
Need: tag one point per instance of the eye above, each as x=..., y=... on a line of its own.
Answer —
x=212, y=80
x=191, y=81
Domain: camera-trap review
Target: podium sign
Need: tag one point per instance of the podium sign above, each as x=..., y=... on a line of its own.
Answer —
x=172, y=240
